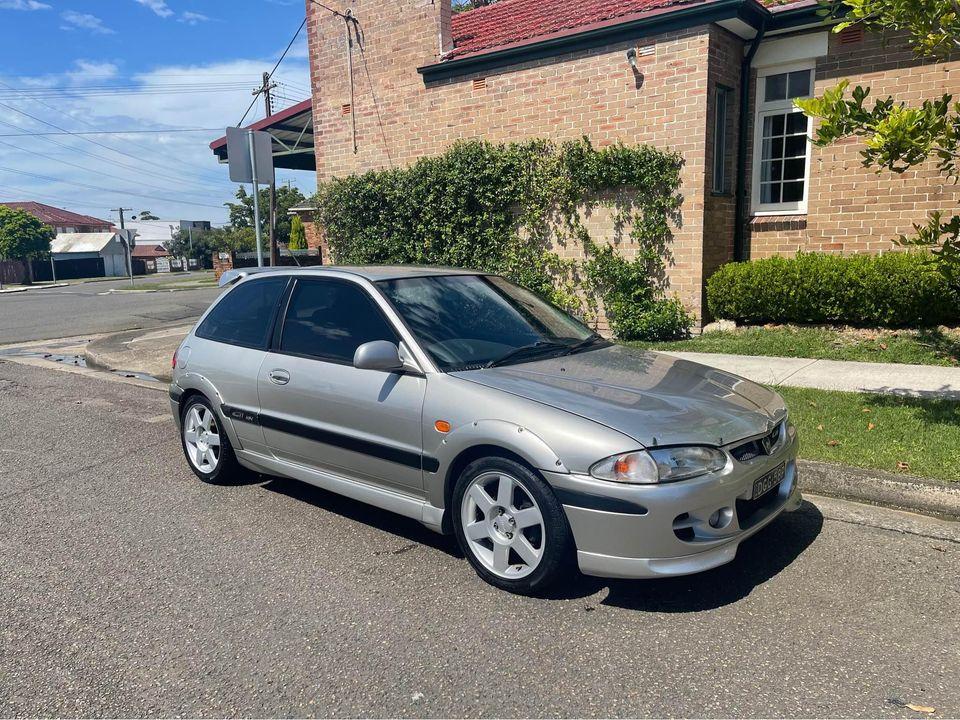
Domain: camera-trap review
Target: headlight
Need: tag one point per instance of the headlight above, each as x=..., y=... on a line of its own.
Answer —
x=658, y=466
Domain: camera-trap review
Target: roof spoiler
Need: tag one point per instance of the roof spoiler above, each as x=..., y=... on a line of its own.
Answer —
x=232, y=276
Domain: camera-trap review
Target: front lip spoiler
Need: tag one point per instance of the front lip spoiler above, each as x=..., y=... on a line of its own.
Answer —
x=628, y=568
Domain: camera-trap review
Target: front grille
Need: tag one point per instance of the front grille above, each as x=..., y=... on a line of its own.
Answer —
x=758, y=447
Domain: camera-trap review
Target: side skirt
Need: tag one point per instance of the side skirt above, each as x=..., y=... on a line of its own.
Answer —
x=411, y=507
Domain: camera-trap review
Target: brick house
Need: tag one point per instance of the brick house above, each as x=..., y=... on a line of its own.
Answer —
x=62, y=221
x=677, y=74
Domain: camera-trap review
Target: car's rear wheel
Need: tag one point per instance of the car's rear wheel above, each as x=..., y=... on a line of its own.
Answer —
x=510, y=526
x=205, y=443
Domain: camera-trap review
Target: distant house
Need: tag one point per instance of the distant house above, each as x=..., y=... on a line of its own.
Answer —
x=62, y=221
x=105, y=246
x=149, y=251
x=161, y=232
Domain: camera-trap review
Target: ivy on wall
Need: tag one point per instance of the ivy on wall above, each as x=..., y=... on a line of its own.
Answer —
x=508, y=209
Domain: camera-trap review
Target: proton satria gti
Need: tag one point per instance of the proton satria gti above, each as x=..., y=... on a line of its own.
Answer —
x=471, y=405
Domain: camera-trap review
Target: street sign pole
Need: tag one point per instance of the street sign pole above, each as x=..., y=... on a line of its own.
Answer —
x=256, y=199
x=53, y=269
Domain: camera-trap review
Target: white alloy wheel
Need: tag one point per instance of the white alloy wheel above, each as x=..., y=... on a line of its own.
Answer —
x=201, y=437
x=503, y=525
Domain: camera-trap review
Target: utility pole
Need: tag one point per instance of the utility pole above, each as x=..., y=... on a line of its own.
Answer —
x=123, y=239
x=267, y=86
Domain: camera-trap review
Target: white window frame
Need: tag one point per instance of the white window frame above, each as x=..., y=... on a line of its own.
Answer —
x=777, y=107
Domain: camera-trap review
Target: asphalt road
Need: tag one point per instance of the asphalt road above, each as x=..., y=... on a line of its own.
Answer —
x=129, y=588
x=89, y=308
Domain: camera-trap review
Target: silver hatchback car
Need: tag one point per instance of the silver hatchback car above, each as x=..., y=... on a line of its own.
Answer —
x=473, y=406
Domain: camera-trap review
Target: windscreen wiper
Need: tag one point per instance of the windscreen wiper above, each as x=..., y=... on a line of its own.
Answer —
x=524, y=350
x=594, y=339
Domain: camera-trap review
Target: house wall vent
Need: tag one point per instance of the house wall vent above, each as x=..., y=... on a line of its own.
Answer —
x=851, y=35
x=647, y=50
x=480, y=83
x=346, y=109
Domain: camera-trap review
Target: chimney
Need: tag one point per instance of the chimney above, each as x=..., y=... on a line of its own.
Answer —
x=446, y=31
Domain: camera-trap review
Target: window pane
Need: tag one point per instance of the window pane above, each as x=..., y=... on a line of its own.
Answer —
x=796, y=146
x=245, y=315
x=793, y=169
x=771, y=171
x=799, y=84
x=770, y=193
x=773, y=125
x=330, y=320
x=776, y=87
x=772, y=148
x=796, y=123
x=792, y=191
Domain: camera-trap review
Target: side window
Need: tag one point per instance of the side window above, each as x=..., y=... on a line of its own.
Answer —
x=329, y=320
x=245, y=315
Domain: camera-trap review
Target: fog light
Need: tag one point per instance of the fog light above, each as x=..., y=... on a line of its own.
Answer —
x=720, y=518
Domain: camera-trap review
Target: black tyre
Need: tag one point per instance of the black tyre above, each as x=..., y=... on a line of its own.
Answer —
x=511, y=526
x=206, y=445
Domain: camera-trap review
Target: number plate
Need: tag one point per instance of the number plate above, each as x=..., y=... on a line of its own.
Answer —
x=763, y=485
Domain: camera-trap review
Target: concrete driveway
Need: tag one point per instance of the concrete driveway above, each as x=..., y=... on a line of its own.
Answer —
x=130, y=589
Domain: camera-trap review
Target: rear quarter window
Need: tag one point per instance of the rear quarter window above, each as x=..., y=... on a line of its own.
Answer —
x=245, y=315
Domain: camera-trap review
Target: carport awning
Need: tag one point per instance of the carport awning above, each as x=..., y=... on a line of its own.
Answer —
x=292, y=131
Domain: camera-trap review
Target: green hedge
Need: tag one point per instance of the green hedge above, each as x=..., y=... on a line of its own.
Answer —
x=891, y=290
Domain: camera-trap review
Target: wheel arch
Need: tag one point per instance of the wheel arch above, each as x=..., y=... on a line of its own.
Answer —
x=461, y=462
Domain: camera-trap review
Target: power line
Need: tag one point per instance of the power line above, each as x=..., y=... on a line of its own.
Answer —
x=118, y=163
x=205, y=170
x=289, y=45
x=99, y=144
x=81, y=133
x=155, y=198
x=80, y=167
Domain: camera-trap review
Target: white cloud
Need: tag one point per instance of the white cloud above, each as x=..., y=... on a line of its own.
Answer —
x=91, y=71
x=179, y=166
x=84, y=21
x=159, y=7
x=192, y=18
x=23, y=5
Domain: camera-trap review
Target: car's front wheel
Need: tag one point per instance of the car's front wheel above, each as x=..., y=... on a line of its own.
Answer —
x=511, y=526
x=205, y=443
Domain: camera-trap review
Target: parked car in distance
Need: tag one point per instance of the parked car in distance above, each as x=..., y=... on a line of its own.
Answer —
x=471, y=405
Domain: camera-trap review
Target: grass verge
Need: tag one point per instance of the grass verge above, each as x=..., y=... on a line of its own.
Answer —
x=906, y=435
x=936, y=346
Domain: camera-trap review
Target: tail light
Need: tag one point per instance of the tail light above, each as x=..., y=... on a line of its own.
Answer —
x=173, y=363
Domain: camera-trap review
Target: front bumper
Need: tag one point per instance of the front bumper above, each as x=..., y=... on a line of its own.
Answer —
x=648, y=531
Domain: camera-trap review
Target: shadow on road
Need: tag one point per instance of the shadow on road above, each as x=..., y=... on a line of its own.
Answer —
x=362, y=513
x=759, y=559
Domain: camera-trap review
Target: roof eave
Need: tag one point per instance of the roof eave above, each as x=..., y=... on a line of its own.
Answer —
x=749, y=11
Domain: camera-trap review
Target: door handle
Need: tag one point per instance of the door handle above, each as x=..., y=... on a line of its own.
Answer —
x=279, y=377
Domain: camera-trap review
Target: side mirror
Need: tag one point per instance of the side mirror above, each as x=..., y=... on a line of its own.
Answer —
x=379, y=355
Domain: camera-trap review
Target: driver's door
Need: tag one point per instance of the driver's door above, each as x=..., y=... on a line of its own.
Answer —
x=318, y=410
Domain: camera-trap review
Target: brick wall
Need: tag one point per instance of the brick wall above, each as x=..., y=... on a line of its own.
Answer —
x=593, y=93
x=719, y=217
x=852, y=209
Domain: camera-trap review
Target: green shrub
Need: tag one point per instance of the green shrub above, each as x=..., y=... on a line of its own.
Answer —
x=891, y=290
x=505, y=208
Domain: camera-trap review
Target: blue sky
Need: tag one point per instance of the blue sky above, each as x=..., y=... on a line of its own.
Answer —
x=127, y=65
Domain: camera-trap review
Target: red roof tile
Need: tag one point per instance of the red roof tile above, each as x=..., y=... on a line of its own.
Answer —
x=518, y=22
x=150, y=251
x=56, y=217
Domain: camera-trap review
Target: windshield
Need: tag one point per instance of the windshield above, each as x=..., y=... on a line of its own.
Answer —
x=473, y=321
